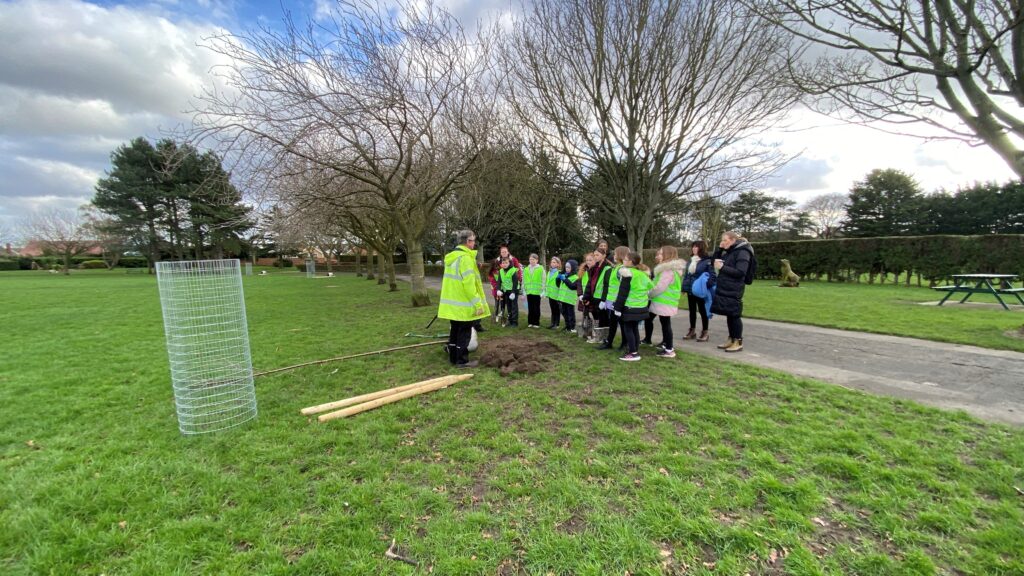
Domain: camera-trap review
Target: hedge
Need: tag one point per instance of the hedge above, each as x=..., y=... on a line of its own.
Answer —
x=933, y=258
x=9, y=265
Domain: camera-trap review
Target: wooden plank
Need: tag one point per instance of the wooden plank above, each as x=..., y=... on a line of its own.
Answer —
x=358, y=408
x=365, y=397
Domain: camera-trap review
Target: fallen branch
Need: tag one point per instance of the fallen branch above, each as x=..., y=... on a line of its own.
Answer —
x=365, y=397
x=392, y=555
x=1019, y=491
x=339, y=358
x=353, y=410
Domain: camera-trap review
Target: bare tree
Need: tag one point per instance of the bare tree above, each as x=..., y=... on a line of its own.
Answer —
x=109, y=235
x=61, y=232
x=915, y=61
x=652, y=95
x=395, y=100
x=826, y=212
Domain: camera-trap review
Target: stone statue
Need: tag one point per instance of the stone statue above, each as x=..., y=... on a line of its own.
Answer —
x=789, y=278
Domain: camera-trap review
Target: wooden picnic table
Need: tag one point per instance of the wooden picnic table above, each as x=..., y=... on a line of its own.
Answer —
x=983, y=284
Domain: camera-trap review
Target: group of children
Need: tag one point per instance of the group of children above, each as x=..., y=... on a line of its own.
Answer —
x=611, y=292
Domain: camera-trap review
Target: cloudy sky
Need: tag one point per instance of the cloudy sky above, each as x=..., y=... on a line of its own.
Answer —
x=77, y=79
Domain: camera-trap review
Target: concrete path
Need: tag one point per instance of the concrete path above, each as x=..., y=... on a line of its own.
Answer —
x=988, y=384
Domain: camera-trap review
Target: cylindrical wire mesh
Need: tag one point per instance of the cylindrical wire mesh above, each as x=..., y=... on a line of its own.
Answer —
x=310, y=268
x=207, y=343
x=248, y=268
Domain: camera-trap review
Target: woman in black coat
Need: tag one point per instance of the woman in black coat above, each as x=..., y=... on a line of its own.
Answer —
x=733, y=260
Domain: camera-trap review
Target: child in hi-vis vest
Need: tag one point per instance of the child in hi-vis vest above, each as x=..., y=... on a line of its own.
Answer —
x=533, y=287
x=568, y=294
x=632, y=303
x=508, y=291
x=552, y=289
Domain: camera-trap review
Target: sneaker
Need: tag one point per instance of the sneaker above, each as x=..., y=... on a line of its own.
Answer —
x=647, y=343
x=667, y=353
x=660, y=346
x=604, y=346
x=629, y=357
x=553, y=327
x=470, y=364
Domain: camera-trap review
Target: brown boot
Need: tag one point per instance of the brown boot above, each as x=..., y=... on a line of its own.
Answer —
x=692, y=334
x=736, y=345
x=726, y=345
x=704, y=336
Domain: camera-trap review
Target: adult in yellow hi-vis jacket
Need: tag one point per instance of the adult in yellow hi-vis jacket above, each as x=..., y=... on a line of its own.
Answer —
x=462, y=298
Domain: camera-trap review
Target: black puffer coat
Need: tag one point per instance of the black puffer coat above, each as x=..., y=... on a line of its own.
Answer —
x=729, y=294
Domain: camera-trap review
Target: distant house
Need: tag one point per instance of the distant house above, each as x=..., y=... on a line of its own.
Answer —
x=36, y=248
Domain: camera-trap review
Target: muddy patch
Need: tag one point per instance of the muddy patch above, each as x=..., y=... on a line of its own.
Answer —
x=518, y=356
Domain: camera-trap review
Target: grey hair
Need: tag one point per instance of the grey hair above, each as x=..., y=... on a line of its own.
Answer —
x=732, y=234
x=463, y=236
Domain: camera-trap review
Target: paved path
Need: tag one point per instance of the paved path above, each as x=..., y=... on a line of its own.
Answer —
x=986, y=383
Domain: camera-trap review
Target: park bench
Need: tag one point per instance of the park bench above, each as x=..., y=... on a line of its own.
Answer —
x=982, y=284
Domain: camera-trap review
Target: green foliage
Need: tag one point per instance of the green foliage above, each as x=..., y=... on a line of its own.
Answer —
x=987, y=208
x=932, y=257
x=92, y=265
x=886, y=203
x=172, y=199
x=9, y=265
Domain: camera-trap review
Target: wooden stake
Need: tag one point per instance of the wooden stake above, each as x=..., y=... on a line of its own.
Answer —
x=365, y=397
x=264, y=373
x=423, y=389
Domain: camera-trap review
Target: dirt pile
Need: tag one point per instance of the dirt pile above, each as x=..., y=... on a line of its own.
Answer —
x=518, y=355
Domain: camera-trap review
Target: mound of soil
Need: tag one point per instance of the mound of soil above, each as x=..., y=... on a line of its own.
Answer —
x=518, y=355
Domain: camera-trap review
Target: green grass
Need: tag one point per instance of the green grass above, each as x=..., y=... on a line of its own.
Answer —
x=595, y=467
x=887, y=309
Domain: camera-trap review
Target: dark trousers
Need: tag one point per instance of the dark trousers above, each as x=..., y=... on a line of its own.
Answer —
x=631, y=334
x=533, y=309
x=556, y=311
x=735, y=324
x=458, y=341
x=569, y=313
x=696, y=306
x=511, y=309
x=613, y=325
x=648, y=328
x=666, y=331
x=602, y=316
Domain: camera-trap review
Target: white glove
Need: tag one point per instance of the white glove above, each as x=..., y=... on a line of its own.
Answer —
x=617, y=313
x=579, y=299
x=499, y=293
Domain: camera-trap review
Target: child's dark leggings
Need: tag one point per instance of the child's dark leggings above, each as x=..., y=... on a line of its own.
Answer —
x=631, y=334
x=533, y=309
x=556, y=311
x=613, y=325
x=569, y=313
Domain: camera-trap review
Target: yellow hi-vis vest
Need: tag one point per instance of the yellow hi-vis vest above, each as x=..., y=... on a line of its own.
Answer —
x=672, y=294
x=568, y=295
x=533, y=280
x=639, y=286
x=552, y=288
x=462, y=292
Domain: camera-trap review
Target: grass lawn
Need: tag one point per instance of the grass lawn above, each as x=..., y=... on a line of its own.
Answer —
x=685, y=466
x=887, y=309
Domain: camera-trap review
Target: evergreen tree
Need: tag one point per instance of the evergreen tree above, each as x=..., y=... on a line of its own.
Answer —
x=886, y=203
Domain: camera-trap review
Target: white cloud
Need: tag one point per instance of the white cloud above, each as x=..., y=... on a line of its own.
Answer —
x=78, y=79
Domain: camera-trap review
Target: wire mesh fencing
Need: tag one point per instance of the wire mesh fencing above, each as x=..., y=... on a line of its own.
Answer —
x=310, y=268
x=248, y=268
x=207, y=344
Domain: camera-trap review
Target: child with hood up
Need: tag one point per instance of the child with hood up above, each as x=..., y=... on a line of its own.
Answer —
x=569, y=279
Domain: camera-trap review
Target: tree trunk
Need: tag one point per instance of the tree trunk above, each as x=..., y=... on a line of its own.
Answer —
x=359, y=262
x=67, y=263
x=420, y=296
x=392, y=282
x=381, y=268
x=369, y=264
